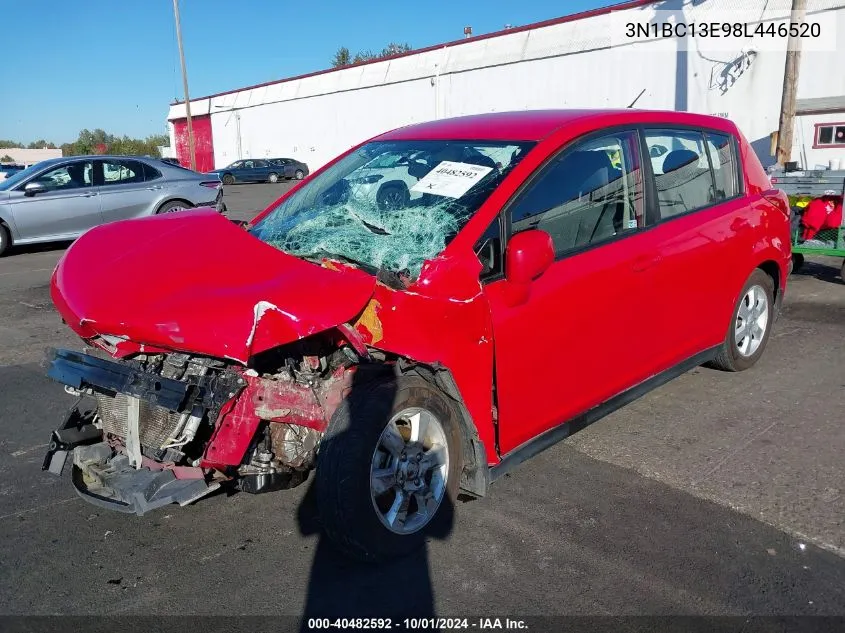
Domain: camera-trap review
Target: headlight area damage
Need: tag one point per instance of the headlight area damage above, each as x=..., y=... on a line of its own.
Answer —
x=171, y=428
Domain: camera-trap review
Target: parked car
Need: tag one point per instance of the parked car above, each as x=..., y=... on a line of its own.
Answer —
x=61, y=198
x=259, y=170
x=337, y=335
x=389, y=180
x=9, y=170
x=292, y=168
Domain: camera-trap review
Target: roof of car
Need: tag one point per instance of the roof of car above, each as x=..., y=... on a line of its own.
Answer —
x=535, y=125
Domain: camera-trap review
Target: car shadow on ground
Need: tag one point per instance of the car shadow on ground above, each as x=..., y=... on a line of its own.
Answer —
x=340, y=587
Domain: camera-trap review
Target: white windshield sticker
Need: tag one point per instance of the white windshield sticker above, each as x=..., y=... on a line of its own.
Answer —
x=451, y=179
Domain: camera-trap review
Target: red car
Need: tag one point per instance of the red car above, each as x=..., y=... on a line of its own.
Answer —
x=528, y=273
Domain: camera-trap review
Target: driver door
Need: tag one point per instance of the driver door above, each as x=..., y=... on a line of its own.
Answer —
x=583, y=332
x=68, y=207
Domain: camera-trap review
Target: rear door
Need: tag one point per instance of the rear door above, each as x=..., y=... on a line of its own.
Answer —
x=124, y=192
x=67, y=209
x=703, y=229
x=584, y=333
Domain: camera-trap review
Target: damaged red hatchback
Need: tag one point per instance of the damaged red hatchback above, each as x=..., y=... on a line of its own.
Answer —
x=423, y=313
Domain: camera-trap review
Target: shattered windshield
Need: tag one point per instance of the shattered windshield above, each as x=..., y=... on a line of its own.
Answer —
x=390, y=205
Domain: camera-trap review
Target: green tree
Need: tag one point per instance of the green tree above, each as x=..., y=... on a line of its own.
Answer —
x=99, y=141
x=9, y=145
x=41, y=144
x=7, y=159
x=395, y=48
x=364, y=56
x=342, y=57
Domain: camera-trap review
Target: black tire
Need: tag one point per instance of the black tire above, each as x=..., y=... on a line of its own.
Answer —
x=228, y=179
x=346, y=451
x=797, y=261
x=841, y=270
x=5, y=239
x=299, y=174
x=729, y=357
x=393, y=196
x=172, y=206
x=273, y=178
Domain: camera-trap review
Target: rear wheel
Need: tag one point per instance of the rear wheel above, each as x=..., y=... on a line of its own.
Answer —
x=5, y=239
x=273, y=178
x=228, y=179
x=388, y=470
x=173, y=206
x=299, y=175
x=750, y=326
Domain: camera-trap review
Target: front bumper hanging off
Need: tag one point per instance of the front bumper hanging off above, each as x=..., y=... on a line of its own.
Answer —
x=106, y=478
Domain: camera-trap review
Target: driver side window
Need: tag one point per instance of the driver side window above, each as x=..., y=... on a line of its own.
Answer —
x=74, y=175
x=591, y=192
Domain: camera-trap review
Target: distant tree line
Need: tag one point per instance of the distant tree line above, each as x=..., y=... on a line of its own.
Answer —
x=100, y=142
x=344, y=58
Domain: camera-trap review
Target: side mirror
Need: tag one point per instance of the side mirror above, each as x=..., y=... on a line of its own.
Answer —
x=529, y=254
x=34, y=188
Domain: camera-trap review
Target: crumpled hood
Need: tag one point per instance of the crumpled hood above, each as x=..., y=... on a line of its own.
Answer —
x=194, y=281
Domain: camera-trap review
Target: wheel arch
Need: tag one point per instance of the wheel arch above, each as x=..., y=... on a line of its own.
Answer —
x=475, y=476
x=4, y=226
x=166, y=201
x=7, y=221
x=772, y=269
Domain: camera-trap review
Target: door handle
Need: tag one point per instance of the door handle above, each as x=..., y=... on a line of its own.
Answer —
x=645, y=262
x=153, y=188
x=89, y=195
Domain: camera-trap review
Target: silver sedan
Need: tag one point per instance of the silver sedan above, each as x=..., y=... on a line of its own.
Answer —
x=61, y=198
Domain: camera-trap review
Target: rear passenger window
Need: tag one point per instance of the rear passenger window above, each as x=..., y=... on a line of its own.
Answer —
x=589, y=193
x=150, y=172
x=682, y=174
x=724, y=165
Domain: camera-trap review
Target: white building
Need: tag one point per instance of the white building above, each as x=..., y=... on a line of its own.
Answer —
x=574, y=61
x=27, y=157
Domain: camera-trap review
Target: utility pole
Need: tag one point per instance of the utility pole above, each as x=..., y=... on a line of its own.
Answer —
x=191, y=149
x=790, y=85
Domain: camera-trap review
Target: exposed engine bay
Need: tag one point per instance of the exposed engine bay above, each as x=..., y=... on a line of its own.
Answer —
x=163, y=428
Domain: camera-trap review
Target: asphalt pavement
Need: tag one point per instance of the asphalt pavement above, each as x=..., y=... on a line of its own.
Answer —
x=717, y=494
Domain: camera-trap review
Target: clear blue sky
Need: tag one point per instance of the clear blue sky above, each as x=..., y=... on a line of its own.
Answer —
x=114, y=65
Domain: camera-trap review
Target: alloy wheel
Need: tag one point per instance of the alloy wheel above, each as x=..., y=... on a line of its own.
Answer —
x=409, y=471
x=752, y=321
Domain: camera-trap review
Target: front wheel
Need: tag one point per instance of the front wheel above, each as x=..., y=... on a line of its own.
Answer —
x=388, y=469
x=750, y=326
x=228, y=179
x=5, y=239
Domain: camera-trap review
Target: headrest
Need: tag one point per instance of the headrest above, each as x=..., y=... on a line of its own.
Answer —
x=678, y=158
